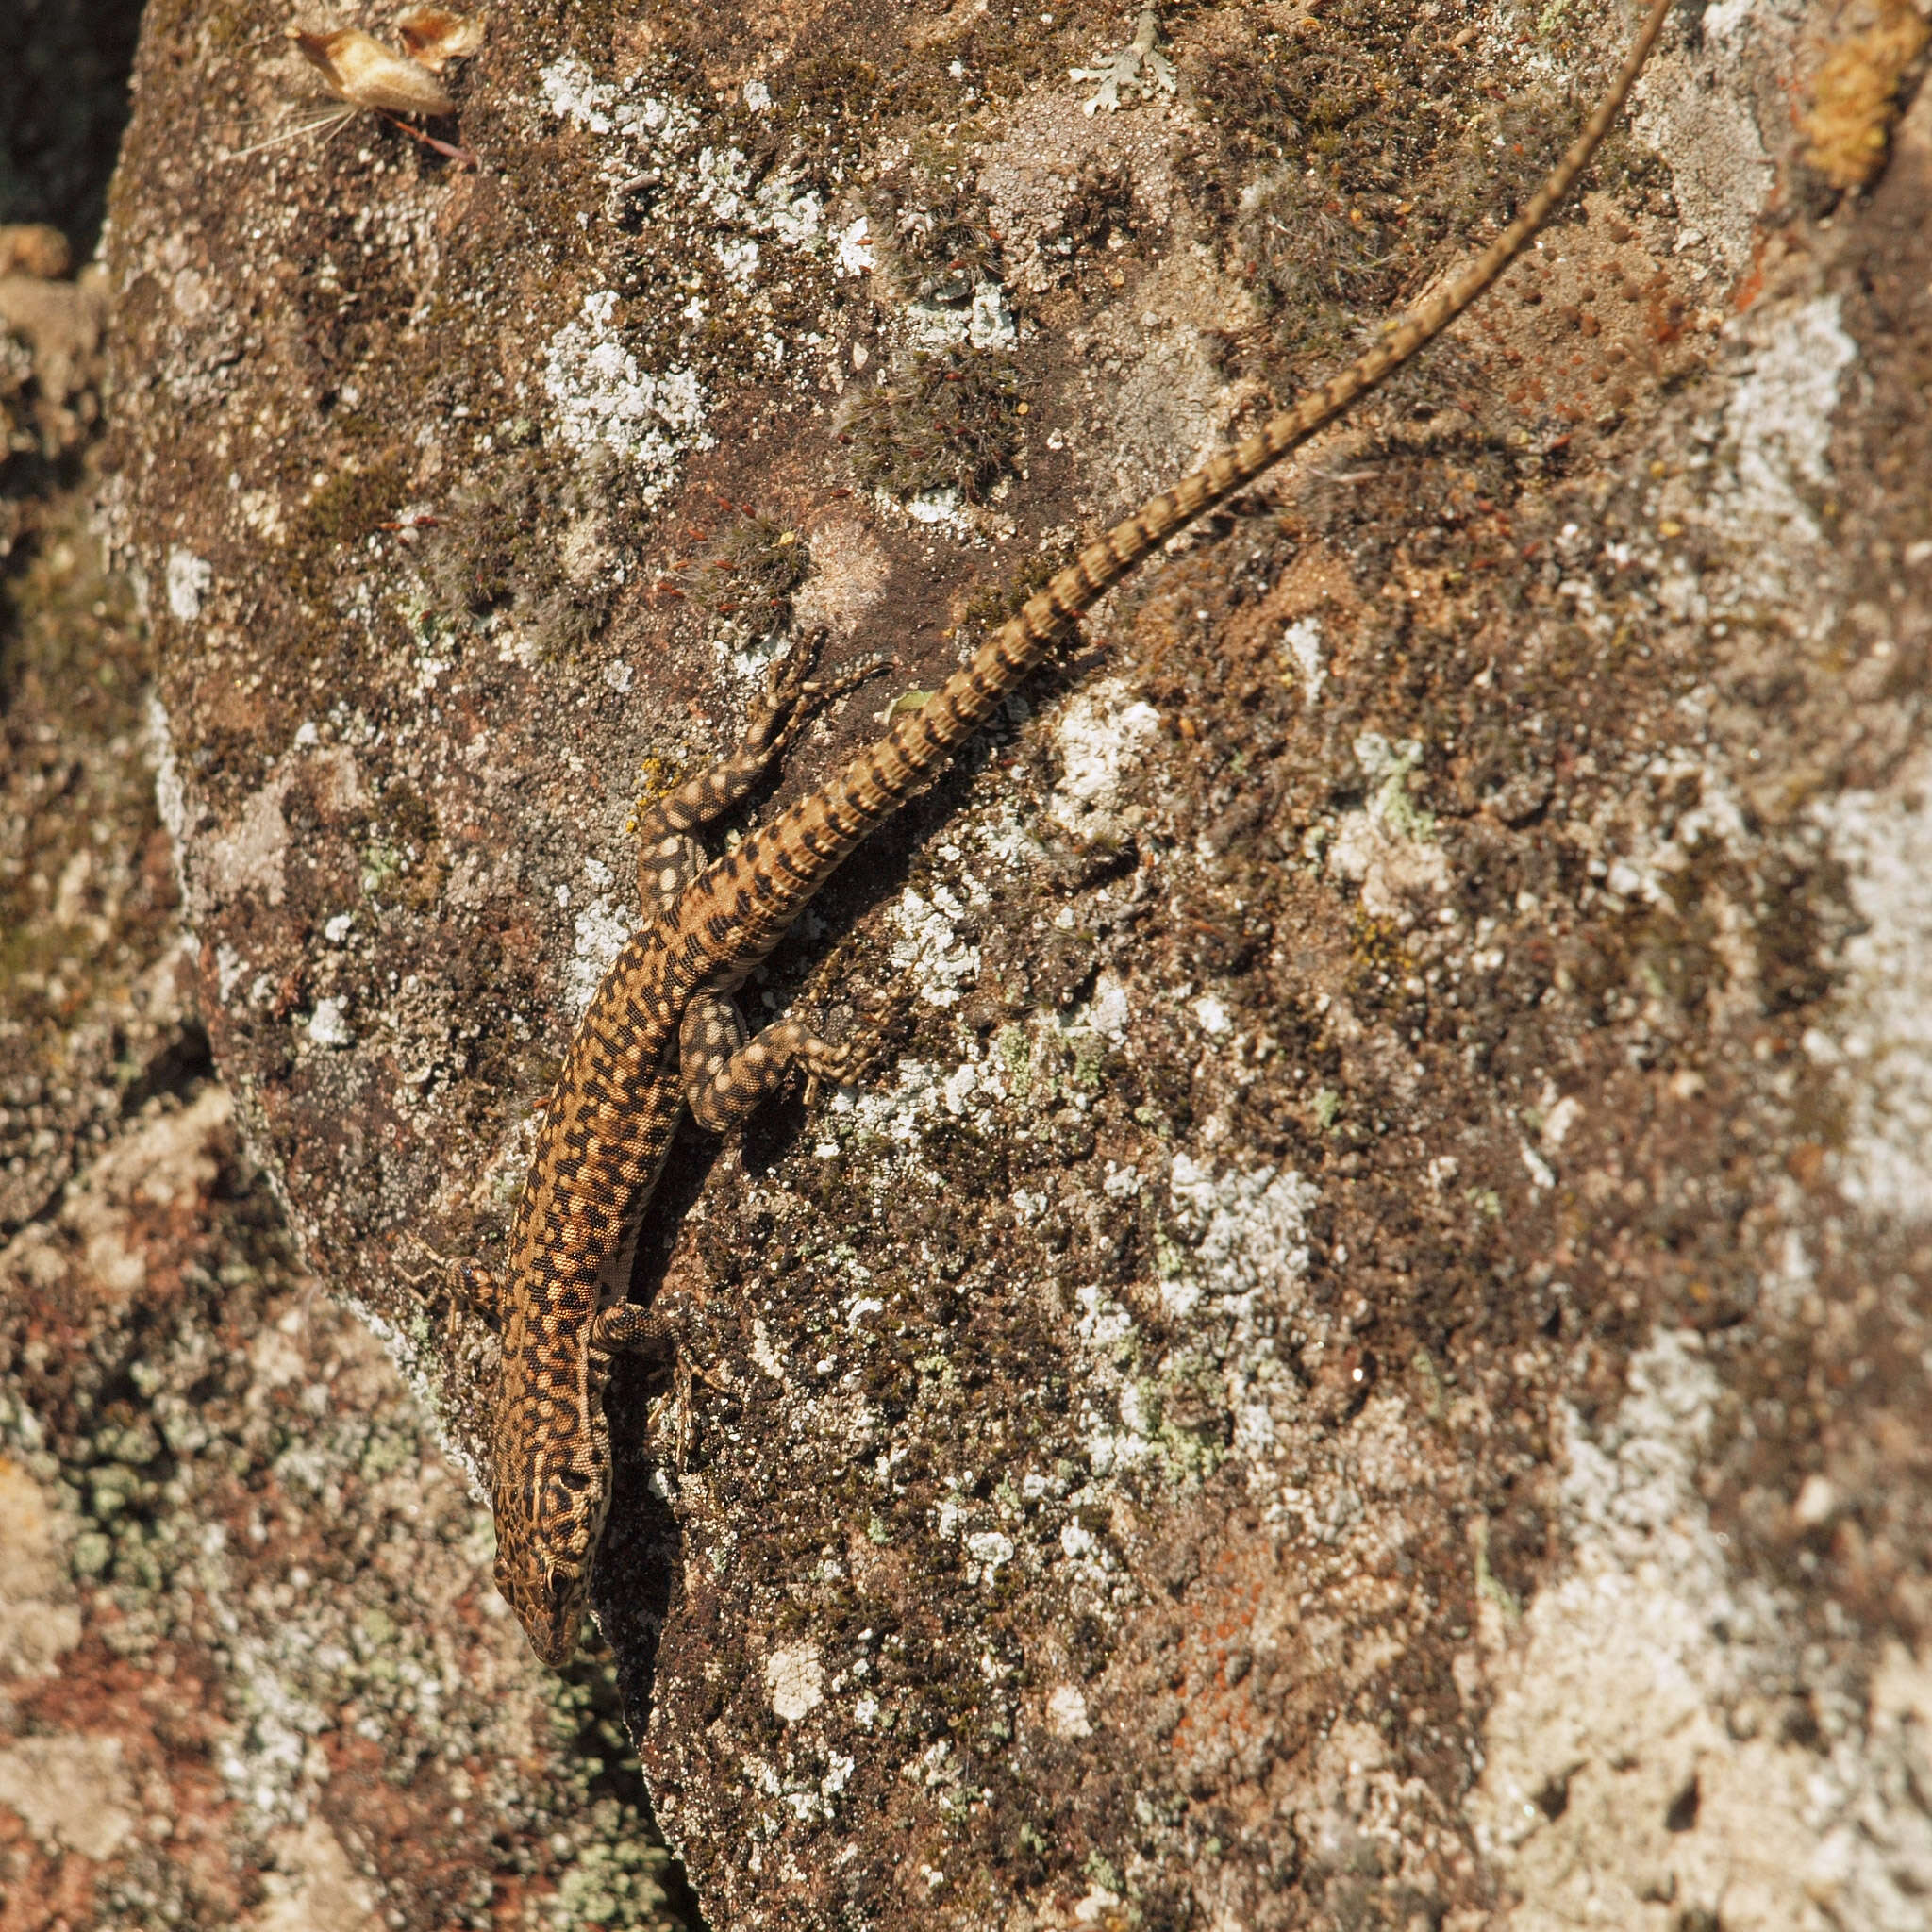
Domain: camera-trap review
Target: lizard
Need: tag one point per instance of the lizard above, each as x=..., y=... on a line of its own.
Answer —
x=661, y=1032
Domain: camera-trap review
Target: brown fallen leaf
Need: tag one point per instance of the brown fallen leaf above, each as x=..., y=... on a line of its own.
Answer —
x=1854, y=99
x=33, y=248
x=434, y=35
x=365, y=73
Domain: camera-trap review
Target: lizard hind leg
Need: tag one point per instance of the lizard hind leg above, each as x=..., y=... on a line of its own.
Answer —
x=726, y=1075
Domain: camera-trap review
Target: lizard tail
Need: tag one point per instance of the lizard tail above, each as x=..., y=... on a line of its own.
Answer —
x=780, y=866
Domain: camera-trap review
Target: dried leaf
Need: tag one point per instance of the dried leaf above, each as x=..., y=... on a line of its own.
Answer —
x=33, y=248
x=434, y=35
x=1854, y=100
x=366, y=74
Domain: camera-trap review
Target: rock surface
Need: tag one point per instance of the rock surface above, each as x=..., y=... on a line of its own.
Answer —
x=1359, y=1355
x=251, y=1672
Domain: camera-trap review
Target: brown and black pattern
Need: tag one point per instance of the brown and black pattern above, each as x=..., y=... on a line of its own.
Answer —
x=662, y=1032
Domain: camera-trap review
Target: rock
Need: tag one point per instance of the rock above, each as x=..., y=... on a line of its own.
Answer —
x=251, y=1672
x=1173, y=1468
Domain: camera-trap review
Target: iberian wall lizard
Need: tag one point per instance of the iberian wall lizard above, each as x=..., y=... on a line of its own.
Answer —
x=661, y=1032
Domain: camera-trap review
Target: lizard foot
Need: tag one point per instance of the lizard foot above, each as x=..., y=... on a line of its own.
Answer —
x=464, y=1284
x=792, y=698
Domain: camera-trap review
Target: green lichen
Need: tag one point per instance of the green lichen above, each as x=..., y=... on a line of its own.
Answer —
x=1015, y=1051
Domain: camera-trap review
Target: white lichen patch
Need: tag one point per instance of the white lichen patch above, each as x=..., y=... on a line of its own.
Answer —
x=1097, y=736
x=746, y=654
x=1639, y=1688
x=573, y=93
x=1066, y=1712
x=985, y=322
x=187, y=580
x=1302, y=659
x=1140, y=68
x=658, y=134
x=1230, y=1258
x=795, y=1681
x=270, y=1762
x=328, y=1026
x=1237, y=1282
x=601, y=930
x=895, y=1114
x=930, y=948
x=1108, y=1010
x=988, y=1550
x=852, y=251
x=1212, y=1011
x=1250, y=1235
x=1778, y=425
x=1387, y=847
x=602, y=398
x=944, y=506
x=1881, y=1034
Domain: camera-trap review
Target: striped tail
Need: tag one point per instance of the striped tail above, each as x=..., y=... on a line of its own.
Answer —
x=775, y=871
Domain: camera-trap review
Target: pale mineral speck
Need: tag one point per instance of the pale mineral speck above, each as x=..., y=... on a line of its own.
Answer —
x=187, y=580
x=1066, y=1712
x=795, y=1681
x=328, y=1026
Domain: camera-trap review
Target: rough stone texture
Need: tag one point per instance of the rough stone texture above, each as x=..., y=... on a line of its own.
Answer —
x=1358, y=1356
x=252, y=1675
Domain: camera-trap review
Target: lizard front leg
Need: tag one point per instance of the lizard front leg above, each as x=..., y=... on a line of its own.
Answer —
x=465, y=1284
x=788, y=702
x=725, y=1074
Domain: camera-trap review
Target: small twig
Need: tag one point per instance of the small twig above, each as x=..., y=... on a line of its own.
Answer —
x=463, y=157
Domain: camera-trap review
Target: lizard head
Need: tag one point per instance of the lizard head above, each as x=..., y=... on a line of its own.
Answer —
x=549, y=1514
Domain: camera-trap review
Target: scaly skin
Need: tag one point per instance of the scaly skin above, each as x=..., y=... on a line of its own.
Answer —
x=661, y=1028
